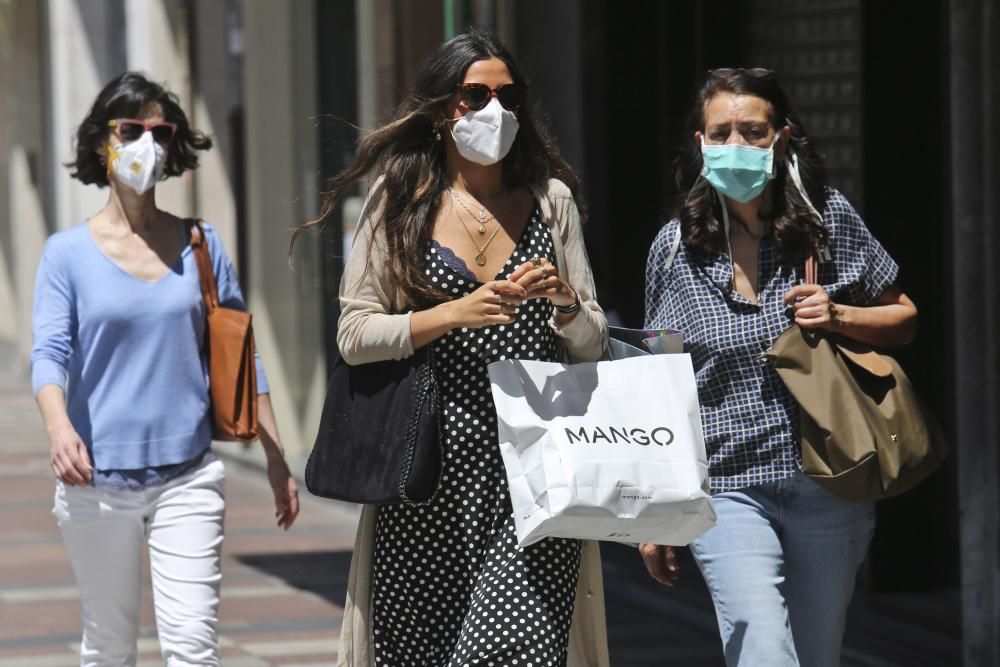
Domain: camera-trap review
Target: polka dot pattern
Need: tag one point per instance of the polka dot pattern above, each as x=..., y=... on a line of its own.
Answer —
x=450, y=586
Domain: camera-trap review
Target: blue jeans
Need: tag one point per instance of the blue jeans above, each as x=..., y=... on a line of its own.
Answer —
x=780, y=565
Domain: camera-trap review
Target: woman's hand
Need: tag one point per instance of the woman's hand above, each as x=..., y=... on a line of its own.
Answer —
x=68, y=457
x=812, y=307
x=285, y=490
x=541, y=280
x=495, y=302
x=890, y=322
x=661, y=562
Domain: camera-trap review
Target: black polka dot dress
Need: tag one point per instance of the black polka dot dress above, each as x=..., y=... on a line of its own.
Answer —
x=450, y=587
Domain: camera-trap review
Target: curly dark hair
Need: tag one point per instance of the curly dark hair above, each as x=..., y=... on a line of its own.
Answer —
x=796, y=229
x=125, y=97
x=413, y=162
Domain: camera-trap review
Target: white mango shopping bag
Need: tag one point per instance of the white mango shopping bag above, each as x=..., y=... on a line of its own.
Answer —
x=608, y=450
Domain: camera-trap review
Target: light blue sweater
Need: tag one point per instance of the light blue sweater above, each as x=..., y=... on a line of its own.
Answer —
x=128, y=354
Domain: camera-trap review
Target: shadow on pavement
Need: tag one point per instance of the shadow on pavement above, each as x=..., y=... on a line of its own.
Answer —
x=652, y=625
x=323, y=573
x=648, y=624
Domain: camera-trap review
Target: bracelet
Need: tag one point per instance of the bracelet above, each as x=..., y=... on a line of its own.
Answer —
x=571, y=308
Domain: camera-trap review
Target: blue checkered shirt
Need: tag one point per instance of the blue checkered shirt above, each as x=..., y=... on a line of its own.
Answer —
x=751, y=421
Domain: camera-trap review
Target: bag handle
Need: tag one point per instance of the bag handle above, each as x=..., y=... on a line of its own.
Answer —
x=860, y=354
x=206, y=276
x=811, y=276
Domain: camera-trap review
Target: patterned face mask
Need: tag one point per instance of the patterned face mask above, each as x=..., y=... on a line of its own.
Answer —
x=138, y=164
x=738, y=172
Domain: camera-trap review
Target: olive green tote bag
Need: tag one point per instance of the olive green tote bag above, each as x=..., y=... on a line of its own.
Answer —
x=866, y=435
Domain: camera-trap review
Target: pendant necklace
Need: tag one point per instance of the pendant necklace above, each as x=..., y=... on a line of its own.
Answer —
x=481, y=254
x=482, y=217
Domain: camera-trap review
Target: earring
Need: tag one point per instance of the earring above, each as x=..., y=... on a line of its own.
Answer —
x=437, y=133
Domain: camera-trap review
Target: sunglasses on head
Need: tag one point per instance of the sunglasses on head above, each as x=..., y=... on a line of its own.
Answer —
x=477, y=95
x=753, y=72
x=130, y=129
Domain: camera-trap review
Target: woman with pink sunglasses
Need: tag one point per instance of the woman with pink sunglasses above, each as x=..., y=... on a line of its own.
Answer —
x=121, y=379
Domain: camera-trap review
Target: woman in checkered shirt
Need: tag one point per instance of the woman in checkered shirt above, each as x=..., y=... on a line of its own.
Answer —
x=728, y=273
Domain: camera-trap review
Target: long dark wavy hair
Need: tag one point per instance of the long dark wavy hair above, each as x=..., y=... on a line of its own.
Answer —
x=795, y=228
x=126, y=96
x=410, y=153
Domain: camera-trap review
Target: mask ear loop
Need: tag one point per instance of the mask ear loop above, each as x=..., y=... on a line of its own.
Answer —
x=824, y=252
x=793, y=170
x=725, y=218
x=725, y=222
x=725, y=227
x=729, y=243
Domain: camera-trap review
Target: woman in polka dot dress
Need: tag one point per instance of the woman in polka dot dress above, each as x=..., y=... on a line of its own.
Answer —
x=472, y=246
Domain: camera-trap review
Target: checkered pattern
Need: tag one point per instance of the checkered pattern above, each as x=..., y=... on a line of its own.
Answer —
x=751, y=421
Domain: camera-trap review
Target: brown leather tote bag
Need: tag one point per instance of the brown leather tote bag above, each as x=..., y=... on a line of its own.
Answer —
x=230, y=349
x=866, y=435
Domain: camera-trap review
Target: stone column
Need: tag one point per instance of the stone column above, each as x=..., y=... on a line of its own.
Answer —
x=281, y=164
x=85, y=49
x=157, y=44
x=975, y=145
x=216, y=40
x=22, y=185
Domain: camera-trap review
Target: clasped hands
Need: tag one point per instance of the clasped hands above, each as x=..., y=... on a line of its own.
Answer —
x=497, y=301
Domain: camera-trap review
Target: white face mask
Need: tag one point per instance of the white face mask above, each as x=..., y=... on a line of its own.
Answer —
x=139, y=164
x=485, y=136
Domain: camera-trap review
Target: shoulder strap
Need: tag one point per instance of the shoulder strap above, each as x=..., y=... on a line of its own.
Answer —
x=675, y=245
x=206, y=276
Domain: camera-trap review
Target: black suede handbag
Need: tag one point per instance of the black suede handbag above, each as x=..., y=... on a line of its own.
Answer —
x=379, y=436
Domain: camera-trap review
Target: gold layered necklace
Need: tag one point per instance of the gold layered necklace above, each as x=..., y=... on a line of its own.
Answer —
x=482, y=218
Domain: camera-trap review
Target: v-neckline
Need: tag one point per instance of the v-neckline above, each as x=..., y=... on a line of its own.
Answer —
x=517, y=244
x=171, y=269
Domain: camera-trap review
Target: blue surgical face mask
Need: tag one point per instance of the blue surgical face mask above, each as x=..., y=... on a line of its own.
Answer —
x=739, y=172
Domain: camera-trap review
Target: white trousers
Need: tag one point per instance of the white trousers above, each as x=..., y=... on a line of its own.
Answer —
x=104, y=531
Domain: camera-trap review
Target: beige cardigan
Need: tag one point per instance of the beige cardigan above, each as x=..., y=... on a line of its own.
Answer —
x=368, y=332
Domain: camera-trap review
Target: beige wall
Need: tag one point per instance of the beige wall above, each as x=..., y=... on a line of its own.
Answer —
x=157, y=44
x=212, y=94
x=279, y=81
x=22, y=179
x=80, y=54
x=55, y=55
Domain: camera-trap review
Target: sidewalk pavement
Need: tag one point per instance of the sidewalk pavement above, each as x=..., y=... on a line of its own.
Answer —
x=282, y=593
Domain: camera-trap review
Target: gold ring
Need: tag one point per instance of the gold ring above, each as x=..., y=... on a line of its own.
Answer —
x=536, y=260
